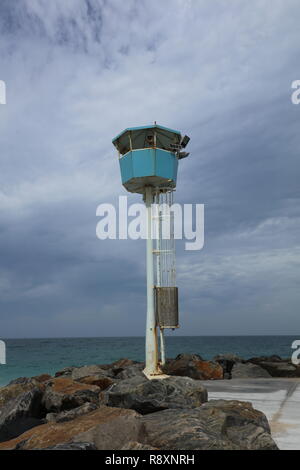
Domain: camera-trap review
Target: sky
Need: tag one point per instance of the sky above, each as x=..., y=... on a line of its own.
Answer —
x=77, y=73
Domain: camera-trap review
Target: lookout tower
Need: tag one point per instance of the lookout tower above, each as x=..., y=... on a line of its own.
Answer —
x=148, y=158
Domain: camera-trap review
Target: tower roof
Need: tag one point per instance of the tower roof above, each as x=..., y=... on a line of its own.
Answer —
x=144, y=137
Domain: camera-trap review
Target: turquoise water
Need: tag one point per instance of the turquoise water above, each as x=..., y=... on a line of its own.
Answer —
x=28, y=357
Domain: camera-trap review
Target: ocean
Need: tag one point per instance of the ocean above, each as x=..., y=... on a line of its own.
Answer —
x=29, y=357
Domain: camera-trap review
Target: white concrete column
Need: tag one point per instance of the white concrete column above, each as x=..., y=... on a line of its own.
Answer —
x=151, y=367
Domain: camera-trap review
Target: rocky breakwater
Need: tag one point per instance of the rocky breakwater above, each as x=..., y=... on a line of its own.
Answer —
x=116, y=407
x=235, y=367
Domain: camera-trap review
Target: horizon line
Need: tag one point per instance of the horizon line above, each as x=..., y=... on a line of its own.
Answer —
x=138, y=336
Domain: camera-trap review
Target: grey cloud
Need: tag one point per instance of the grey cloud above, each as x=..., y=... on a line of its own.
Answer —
x=77, y=73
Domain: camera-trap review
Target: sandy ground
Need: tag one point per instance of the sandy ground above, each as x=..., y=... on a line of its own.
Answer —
x=279, y=399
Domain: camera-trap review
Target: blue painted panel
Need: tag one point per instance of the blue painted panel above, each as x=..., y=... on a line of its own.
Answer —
x=175, y=169
x=126, y=167
x=166, y=164
x=148, y=166
x=143, y=162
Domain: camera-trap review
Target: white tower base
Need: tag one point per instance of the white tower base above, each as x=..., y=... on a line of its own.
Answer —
x=152, y=368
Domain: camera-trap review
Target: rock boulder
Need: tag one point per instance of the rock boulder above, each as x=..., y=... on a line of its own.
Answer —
x=70, y=446
x=18, y=387
x=104, y=428
x=63, y=393
x=87, y=371
x=131, y=371
x=279, y=368
x=227, y=361
x=102, y=382
x=65, y=372
x=248, y=370
x=147, y=396
x=258, y=359
x=21, y=413
x=71, y=414
x=218, y=425
x=187, y=365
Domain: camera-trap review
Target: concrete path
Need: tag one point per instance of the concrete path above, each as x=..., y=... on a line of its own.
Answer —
x=279, y=399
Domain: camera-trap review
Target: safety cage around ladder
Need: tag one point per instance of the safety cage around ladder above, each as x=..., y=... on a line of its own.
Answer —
x=165, y=290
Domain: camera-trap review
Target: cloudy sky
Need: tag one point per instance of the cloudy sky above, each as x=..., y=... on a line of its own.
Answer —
x=80, y=71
